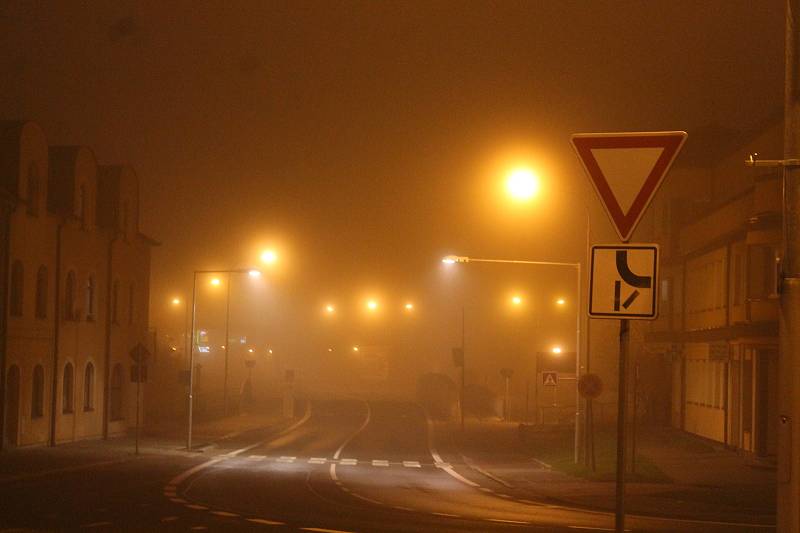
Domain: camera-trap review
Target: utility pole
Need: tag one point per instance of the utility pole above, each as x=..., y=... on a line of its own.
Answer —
x=788, y=500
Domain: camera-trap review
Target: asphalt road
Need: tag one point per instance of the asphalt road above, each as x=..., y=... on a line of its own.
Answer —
x=346, y=466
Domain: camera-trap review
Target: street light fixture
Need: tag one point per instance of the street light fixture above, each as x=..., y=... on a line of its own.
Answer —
x=516, y=300
x=330, y=309
x=451, y=259
x=556, y=350
x=372, y=305
x=269, y=257
x=409, y=306
x=561, y=301
x=522, y=184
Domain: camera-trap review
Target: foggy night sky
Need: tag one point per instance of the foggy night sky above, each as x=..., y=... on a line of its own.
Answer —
x=366, y=139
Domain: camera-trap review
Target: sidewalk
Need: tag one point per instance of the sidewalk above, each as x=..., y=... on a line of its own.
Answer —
x=36, y=461
x=683, y=476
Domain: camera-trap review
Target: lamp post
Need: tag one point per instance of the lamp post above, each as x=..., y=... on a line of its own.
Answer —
x=190, y=398
x=452, y=259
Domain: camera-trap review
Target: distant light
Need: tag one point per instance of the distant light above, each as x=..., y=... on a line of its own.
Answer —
x=270, y=350
x=176, y=301
x=372, y=305
x=203, y=349
x=556, y=349
x=222, y=347
x=355, y=348
x=330, y=349
x=522, y=184
x=516, y=300
x=254, y=273
x=215, y=281
x=250, y=350
x=449, y=260
x=409, y=306
x=269, y=256
x=172, y=348
x=330, y=309
x=561, y=301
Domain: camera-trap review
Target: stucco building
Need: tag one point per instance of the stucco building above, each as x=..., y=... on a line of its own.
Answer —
x=77, y=291
x=716, y=339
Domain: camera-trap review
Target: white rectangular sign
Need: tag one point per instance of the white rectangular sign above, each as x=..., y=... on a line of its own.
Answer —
x=624, y=281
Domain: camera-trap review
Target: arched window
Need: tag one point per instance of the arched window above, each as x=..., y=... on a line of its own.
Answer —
x=90, y=298
x=37, y=392
x=115, y=302
x=17, y=288
x=69, y=297
x=115, y=393
x=41, y=292
x=131, y=303
x=88, y=388
x=33, y=191
x=67, y=389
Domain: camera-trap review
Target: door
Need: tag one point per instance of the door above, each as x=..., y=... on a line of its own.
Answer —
x=12, y=406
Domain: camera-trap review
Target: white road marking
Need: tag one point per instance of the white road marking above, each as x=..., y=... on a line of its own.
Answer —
x=266, y=522
x=412, y=464
x=380, y=462
x=500, y=520
x=350, y=438
x=196, y=507
x=95, y=524
x=401, y=508
x=347, y=462
x=318, y=460
x=199, y=528
x=224, y=513
x=170, y=518
x=286, y=459
x=256, y=457
x=485, y=489
x=448, y=515
x=370, y=500
x=177, y=500
x=323, y=530
x=506, y=496
x=438, y=459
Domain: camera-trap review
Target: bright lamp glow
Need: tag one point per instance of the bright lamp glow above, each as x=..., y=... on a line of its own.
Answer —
x=215, y=281
x=561, y=301
x=176, y=301
x=355, y=348
x=449, y=260
x=330, y=309
x=269, y=256
x=372, y=305
x=522, y=184
x=556, y=350
x=516, y=300
x=254, y=273
x=250, y=350
x=409, y=306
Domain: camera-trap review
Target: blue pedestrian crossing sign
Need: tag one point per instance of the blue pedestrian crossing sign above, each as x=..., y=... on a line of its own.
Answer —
x=624, y=281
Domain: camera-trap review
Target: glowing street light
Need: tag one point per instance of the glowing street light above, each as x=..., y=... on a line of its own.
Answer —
x=250, y=350
x=561, y=301
x=176, y=301
x=355, y=348
x=516, y=300
x=215, y=282
x=330, y=309
x=269, y=257
x=254, y=273
x=522, y=184
x=409, y=306
x=372, y=305
x=556, y=350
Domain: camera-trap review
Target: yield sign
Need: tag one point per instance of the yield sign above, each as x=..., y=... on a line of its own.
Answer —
x=626, y=170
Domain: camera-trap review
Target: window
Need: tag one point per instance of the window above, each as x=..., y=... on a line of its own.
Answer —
x=90, y=298
x=131, y=306
x=41, y=292
x=37, y=393
x=80, y=204
x=69, y=297
x=17, y=288
x=115, y=302
x=33, y=191
x=67, y=389
x=88, y=388
x=115, y=393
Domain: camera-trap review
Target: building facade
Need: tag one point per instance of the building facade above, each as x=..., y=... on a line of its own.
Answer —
x=78, y=291
x=719, y=227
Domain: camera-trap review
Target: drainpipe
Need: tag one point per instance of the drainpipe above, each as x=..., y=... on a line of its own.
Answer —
x=107, y=365
x=6, y=244
x=56, y=334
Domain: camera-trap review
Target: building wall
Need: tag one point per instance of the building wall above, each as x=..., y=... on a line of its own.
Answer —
x=56, y=229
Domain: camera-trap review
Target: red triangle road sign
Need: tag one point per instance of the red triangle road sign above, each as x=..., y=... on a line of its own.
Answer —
x=626, y=170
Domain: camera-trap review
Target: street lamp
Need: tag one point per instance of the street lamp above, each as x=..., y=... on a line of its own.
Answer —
x=522, y=184
x=452, y=259
x=176, y=302
x=269, y=257
x=215, y=282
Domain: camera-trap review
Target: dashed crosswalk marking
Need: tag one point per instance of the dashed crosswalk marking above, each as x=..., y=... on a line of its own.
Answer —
x=225, y=514
x=169, y=490
x=412, y=464
x=318, y=460
x=380, y=462
x=256, y=457
x=286, y=459
x=502, y=521
x=196, y=507
x=348, y=462
x=265, y=522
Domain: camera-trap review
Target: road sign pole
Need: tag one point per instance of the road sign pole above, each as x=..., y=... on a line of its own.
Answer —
x=619, y=517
